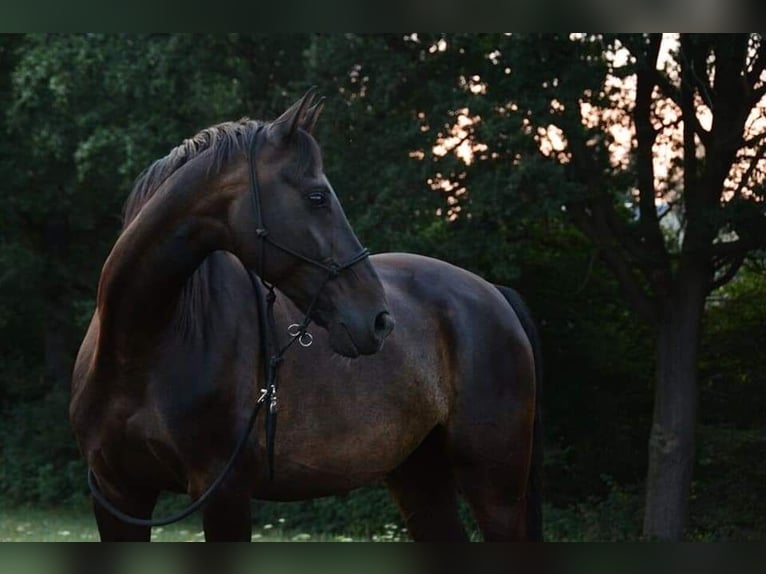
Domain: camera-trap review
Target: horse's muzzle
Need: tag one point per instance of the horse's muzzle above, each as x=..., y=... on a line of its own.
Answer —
x=384, y=324
x=353, y=338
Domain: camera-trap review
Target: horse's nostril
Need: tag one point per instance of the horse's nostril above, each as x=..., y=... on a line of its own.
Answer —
x=384, y=324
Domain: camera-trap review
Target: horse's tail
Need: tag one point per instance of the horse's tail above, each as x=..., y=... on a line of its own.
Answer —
x=535, y=483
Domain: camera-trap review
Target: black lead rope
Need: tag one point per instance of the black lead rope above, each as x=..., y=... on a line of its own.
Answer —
x=268, y=348
x=194, y=506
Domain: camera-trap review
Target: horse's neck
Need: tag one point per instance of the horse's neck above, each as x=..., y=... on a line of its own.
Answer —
x=152, y=259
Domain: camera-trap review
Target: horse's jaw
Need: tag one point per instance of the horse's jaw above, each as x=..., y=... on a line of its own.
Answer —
x=343, y=342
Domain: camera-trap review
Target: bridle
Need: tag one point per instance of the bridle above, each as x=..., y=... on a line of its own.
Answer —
x=269, y=348
x=333, y=269
x=296, y=331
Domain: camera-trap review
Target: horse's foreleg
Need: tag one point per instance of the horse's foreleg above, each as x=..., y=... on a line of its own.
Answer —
x=227, y=517
x=112, y=529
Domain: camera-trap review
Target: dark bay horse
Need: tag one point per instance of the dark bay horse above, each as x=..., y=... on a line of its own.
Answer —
x=168, y=372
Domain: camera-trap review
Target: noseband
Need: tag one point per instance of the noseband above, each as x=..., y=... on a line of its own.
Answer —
x=269, y=348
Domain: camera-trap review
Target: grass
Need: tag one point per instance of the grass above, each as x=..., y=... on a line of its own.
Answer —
x=76, y=524
x=725, y=506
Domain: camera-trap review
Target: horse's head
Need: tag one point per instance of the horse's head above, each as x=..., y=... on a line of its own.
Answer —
x=291, y=230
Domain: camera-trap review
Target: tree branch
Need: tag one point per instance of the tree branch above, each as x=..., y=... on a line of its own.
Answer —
x=624, y=234
x=732, y=249
x=649, y=223
x=759, y=64
x=734, y=265
x=671, y=205
x=610, y=253
x=757, y=94
x=754, y=140
x=672, y=124
x=674, y=94
x=759, y=154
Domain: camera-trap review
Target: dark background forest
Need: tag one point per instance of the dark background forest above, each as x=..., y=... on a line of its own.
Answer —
x=616, y=181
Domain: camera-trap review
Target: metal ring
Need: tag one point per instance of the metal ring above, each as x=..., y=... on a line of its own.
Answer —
x=294, y=330
x=306, y=339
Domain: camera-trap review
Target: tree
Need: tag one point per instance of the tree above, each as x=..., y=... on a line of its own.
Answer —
x=667, y=279
x=567, y=97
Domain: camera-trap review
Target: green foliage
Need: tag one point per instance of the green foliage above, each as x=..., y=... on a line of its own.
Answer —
x=39, y=461
x=614, y=518
x=730, y=484
x=598, y=367
x=733, y=353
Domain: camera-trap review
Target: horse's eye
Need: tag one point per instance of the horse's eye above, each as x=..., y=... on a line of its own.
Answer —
x=317, y=198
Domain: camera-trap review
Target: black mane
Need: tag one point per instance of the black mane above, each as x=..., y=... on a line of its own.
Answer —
x=224, y=140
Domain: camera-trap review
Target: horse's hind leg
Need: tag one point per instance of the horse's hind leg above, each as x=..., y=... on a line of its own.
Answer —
x=424, y=488
x=497, y=500
x=491, y=462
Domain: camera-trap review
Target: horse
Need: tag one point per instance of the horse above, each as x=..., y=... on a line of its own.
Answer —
x=421, y=374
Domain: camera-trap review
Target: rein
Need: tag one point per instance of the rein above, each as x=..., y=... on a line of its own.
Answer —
x=297, y=331
x=268, y=348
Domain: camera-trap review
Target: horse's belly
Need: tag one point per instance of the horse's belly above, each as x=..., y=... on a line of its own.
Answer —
x=296, y=481
x=345, y=424
x=312, y=465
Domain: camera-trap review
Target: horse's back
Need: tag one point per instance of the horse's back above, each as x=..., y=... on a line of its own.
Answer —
x=466, y=307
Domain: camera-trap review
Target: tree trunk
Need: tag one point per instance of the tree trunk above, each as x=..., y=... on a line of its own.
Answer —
x=671, y=441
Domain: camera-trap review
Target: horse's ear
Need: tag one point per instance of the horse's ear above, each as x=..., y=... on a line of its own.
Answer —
x=312, y=115
x=282, y=130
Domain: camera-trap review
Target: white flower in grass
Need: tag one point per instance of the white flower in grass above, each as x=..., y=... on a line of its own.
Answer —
x=64, y=533
x=301, y=537
x=268, y=526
